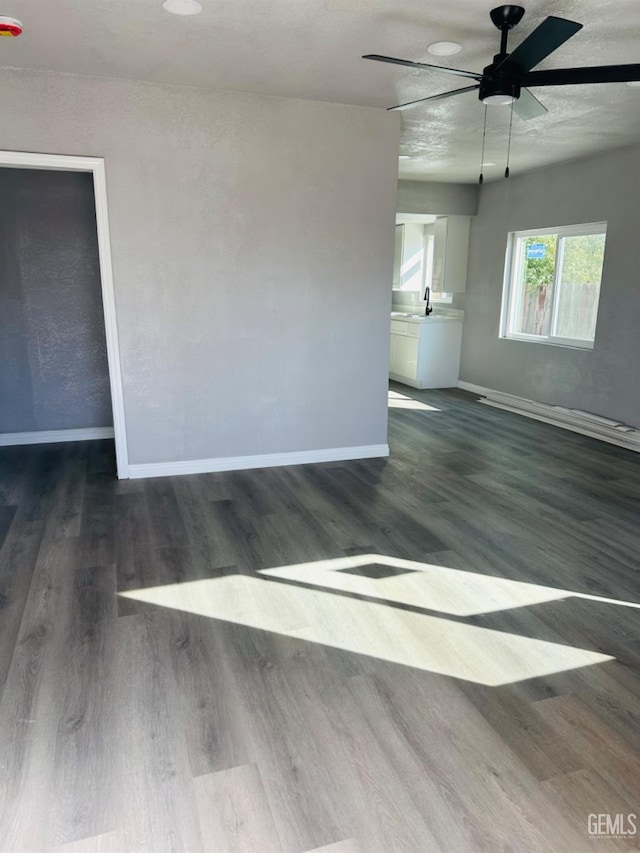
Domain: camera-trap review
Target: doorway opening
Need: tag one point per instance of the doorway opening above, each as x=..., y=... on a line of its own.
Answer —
x=95, y=167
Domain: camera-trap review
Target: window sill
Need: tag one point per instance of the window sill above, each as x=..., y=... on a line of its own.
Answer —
x=551, y=342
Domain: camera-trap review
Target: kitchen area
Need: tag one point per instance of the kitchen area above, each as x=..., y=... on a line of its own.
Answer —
x=427, y=313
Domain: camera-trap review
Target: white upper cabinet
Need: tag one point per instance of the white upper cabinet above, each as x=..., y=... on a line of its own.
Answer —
x=450, y=251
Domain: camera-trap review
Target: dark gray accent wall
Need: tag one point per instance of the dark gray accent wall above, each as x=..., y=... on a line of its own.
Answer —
x=53, y=357
x=605, y=380
x=439, y=198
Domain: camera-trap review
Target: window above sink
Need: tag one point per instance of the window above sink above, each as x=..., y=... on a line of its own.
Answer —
x=430, y=251
x=413, y=259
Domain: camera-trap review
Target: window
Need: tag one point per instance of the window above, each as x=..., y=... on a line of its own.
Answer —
x=552, y=284
x=409, y=265
x=397, y=256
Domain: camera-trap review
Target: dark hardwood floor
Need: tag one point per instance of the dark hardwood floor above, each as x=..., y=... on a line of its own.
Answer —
x=435, y=652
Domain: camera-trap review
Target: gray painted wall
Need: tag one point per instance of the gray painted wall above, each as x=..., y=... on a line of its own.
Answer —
x=53, y=357
x=605, y=381
x=439, y=198
x=252, y=244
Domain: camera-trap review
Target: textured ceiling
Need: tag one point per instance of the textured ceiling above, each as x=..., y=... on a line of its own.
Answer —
x=312, y=48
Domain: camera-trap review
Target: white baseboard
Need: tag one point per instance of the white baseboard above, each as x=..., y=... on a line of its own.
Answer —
x=413, y=383
x=53, y=436
x=474, y=389
x=269, y=460
x=574, y=420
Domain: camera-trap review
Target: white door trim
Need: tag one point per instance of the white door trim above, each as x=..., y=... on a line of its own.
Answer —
x=95, y=165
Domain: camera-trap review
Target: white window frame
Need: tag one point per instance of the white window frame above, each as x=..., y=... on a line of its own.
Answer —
x=397, y=261
x=513, y=262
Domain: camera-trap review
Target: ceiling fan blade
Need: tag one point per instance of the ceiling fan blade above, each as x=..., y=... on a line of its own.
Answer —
x=528, y=106
x=439, y=97
x=551, y=33
x=377, y=58
x=593, y=74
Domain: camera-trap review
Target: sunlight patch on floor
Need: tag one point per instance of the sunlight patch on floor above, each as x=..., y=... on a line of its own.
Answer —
x=403, y=401
x=423, y=585
x=431, y=643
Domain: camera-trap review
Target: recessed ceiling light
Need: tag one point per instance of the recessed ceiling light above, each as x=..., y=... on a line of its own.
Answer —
x=182, y=7
x=444, y=48
x=633, y=83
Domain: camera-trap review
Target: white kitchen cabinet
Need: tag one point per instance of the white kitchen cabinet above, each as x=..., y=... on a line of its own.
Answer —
x=425, y=352
x=450, y=251
x=403, y=358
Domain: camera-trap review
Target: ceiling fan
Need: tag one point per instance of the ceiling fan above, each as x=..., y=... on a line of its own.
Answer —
x=507, y=78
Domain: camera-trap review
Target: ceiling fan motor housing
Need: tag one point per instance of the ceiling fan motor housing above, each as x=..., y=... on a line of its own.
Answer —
x=505, y=81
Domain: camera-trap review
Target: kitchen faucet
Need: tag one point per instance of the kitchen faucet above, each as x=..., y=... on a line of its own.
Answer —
x=427, y=309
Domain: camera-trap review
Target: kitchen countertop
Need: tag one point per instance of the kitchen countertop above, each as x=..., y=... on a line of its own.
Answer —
x=420, y=318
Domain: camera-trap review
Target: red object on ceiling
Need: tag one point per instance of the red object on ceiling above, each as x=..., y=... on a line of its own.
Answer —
x=10, y=27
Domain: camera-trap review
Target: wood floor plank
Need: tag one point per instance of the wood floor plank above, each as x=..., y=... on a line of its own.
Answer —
x=7, y=514
x=109, y=842
x=82, y=801
x=155, y=804
x=204, y=659
x=348, y=845
x=32, y=701
x=64, y=516
x=18, y=558
x=234, y=811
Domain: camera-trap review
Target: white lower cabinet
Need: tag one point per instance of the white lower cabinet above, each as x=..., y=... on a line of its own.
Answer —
x=425, y=353
x=403, y=358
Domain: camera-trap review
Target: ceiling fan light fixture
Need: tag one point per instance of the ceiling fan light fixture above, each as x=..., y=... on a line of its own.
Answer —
x=498, y=100
x=182, y=7
x=444, y=48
